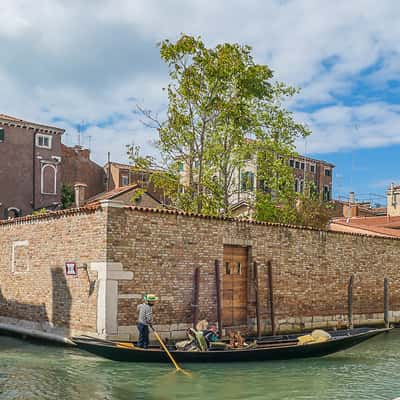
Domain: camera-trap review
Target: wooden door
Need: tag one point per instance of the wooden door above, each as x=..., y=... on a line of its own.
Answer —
x=234, y=286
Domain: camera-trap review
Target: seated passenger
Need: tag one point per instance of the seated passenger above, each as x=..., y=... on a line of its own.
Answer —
x=211, y=334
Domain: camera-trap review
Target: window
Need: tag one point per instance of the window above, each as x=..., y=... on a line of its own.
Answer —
x=296, y=185
x=302, y=165
x=297, y=164
x=301, y=186
x=239, y=269
x=124, y=180
x=312, y=168
x=247, y=181
x=43, y=141
x=327, y=193
x=327, y=172
x=1, y=135
x=48, y=184
x=291, y=163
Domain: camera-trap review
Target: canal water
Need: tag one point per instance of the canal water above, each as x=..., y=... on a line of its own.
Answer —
x=31, y=371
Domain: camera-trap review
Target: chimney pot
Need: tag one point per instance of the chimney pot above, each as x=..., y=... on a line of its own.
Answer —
x=80, y=194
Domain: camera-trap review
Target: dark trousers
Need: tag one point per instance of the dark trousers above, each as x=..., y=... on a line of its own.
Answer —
x=143, y=335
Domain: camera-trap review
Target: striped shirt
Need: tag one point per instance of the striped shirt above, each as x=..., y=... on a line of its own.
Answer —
x=145, y=314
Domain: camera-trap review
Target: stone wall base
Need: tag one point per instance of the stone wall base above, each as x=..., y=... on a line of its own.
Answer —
x=328, y=322
x=40, y=330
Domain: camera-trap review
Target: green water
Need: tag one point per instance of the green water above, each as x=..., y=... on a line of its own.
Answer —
x=369, y=371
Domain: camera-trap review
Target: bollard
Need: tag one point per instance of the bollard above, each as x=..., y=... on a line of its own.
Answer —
x=350, y=302
x=271, y=298
x=196, y=292
x=386, y=302
x=255, y=266
x=218, y=289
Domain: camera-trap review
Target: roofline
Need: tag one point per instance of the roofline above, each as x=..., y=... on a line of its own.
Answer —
x=20, y=123
x=96, y=206
x=124, y=189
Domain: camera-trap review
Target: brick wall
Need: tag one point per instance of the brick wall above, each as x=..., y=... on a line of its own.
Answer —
x=311, y=269
x=137, y=250
x=34, y=289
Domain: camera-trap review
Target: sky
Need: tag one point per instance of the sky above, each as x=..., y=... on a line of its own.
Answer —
x=85, y=65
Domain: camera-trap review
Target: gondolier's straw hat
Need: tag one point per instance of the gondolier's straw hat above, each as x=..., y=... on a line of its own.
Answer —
x=150, y=297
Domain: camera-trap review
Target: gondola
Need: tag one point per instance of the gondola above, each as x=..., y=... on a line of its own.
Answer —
x=268, y=348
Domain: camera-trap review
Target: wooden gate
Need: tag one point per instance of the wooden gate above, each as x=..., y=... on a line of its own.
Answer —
x=234, y=286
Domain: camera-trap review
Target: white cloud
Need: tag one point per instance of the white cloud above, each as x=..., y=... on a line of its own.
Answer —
x=88, y=60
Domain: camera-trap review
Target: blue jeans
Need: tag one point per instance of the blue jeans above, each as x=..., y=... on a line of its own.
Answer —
x=143, y=335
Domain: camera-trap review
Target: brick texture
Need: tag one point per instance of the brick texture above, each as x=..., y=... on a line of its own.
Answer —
x=311, y=269
x=45, y=294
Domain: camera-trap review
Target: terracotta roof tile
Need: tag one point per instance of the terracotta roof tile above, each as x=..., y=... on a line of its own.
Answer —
x=111, y=194
x=51, y=215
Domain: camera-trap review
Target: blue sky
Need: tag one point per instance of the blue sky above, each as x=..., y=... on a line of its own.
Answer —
x=84, y=65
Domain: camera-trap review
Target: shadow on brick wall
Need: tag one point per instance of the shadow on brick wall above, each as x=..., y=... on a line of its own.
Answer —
x=62, y=301
x=22, y=311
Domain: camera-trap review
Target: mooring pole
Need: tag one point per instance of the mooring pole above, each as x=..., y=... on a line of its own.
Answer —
x=271, y=298
x=255, y=266
x=350, y=302
x=386, y=302
x=218, y=289
x=196, y=290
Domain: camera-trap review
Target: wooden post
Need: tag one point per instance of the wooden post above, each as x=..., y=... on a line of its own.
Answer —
x=196, y=291
x=218, y=289
x=386, y=302
x=350, y=302
x=271, y=298
x=255, y=266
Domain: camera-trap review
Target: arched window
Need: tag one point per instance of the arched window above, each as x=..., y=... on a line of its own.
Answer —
x=49, y=179
x=12, y=212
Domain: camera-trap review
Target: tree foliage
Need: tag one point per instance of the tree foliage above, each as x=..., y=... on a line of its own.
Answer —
x=67, y=196
x=224, y=111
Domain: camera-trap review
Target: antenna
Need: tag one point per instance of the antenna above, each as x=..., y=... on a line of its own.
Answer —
x=352, y=160
x=305, y=159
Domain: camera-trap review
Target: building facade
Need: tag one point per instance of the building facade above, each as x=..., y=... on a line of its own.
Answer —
x=30, y=172
x=121, y=175
x=318, y=173
x=77, y=167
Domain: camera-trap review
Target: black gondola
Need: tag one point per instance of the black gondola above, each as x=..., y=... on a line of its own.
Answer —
x=268, y=348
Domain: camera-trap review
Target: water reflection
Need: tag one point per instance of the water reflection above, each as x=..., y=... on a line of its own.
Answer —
x=369, y=371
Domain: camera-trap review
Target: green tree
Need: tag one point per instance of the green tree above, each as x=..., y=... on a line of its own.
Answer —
x=312, y=210
x=67, y=196
x=223, y=110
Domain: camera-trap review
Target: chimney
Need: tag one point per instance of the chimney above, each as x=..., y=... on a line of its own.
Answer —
x=80, y=194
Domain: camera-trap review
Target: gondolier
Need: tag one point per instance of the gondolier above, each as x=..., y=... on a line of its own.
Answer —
x=145, y=319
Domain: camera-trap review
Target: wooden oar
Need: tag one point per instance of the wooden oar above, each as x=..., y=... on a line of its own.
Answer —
x=178, y=368
x=127, y=345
